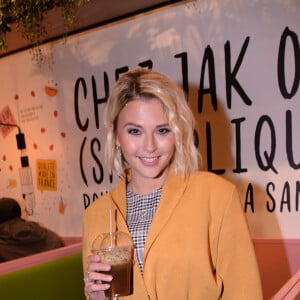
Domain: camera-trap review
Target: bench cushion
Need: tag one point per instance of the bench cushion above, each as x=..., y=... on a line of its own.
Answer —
x=61, y=278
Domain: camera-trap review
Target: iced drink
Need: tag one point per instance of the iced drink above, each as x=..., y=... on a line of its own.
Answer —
x=120, y=259
x=116, y=249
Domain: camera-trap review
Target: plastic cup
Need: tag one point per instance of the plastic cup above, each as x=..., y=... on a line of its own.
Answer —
x=116, y=249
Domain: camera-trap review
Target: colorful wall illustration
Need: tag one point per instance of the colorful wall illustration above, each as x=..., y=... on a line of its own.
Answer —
x=239, y=63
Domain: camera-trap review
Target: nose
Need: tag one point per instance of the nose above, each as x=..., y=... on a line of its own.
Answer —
x=150, y=143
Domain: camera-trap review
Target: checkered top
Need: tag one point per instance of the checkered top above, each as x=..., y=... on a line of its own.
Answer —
x=140, y=212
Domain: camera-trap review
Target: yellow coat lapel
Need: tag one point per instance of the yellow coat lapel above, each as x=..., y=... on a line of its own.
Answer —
x=171, y=195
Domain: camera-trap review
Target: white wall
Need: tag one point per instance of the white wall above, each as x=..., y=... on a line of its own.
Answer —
x=195, y=43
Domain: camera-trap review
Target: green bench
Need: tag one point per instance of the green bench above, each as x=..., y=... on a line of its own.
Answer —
x=58, y=279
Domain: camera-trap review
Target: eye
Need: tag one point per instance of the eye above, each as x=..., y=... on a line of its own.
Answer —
x=163, y=130
x=134, y=131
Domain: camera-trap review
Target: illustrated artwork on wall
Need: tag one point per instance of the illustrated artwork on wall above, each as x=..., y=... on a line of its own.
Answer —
x=46, y=169
x=8, y=122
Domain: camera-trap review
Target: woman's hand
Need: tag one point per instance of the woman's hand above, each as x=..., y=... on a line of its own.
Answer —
x=96, y=282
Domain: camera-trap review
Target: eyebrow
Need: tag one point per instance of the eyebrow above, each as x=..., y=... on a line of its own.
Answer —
x=139, y=126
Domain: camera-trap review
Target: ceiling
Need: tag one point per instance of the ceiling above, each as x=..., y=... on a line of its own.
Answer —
x=92, y=14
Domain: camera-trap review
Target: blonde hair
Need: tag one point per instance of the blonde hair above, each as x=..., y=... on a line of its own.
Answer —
x=147, y=84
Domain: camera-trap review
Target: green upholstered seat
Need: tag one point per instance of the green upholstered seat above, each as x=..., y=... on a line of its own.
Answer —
x=59, y=279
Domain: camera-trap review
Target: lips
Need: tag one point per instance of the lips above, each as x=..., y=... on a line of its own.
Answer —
x=149, y=159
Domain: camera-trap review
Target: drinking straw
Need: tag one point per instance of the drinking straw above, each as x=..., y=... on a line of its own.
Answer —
x=110, y=227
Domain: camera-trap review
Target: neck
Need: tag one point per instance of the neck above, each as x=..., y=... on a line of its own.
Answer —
x=144, y=187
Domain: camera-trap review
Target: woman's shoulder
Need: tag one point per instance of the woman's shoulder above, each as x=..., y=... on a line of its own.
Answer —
x=216, y=190
x=105, y=200
x=210, y=179
x=98, y=206
x=207, y=175
x=198, y=179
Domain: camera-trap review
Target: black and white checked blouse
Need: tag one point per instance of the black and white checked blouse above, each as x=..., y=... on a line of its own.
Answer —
x=140, y=212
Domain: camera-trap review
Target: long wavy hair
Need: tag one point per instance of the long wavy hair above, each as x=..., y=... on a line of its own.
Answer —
x=147, y=84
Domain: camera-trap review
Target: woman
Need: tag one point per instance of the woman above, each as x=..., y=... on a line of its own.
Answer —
x=190, y=233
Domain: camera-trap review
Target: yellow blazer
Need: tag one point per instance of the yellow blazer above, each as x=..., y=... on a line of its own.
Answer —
x=198, y=245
